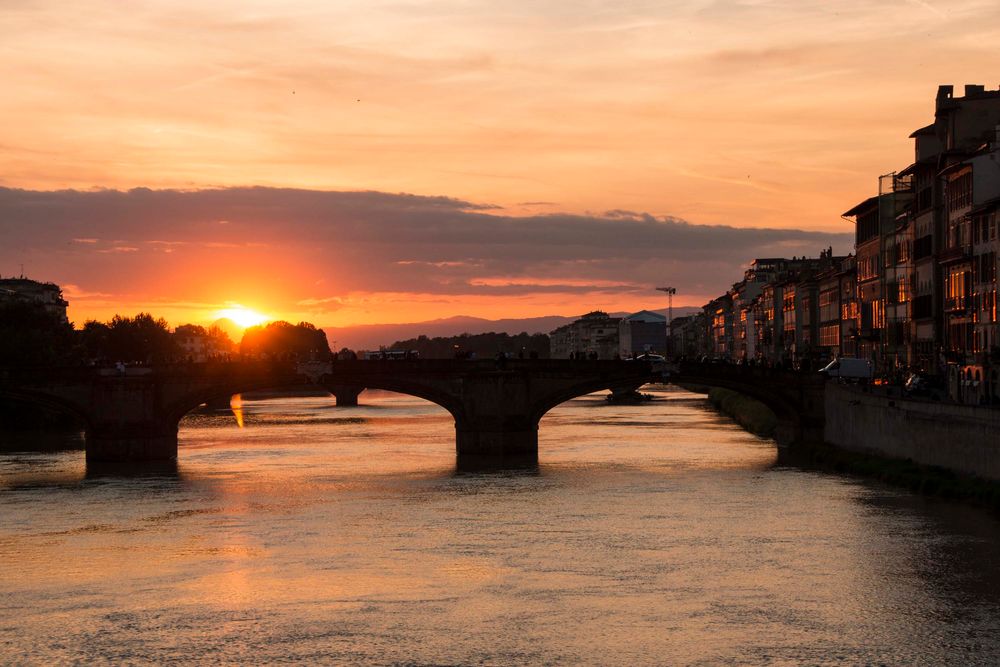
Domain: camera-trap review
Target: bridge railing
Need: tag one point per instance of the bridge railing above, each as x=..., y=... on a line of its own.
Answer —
x=316, y=369
x=748, y=373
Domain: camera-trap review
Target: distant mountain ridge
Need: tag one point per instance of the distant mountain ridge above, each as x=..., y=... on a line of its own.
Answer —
x=372, y=336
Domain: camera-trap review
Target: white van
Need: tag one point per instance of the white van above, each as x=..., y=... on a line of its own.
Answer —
x=849, y=368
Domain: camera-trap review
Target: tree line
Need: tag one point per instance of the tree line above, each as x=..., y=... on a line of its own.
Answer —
x=30, y=336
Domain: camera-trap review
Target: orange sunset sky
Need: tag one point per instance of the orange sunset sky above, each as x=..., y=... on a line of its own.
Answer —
x=377, y=161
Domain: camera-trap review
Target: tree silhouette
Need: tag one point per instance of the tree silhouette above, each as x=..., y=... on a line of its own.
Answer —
x=32, y=336
x=281, y=339
x=142, y=338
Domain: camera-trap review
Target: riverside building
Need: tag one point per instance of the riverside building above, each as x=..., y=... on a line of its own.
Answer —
x=919, y=293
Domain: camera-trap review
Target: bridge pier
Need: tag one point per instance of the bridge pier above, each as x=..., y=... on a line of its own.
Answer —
x=132, y=443
x=346, y=396
x=489, y=444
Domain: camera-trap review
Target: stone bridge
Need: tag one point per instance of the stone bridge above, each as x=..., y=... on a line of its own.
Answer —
x=496, y=405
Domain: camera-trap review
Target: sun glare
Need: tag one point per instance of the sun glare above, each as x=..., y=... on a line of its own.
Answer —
x=243, y=317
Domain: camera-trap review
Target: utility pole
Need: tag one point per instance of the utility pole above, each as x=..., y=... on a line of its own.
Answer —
x=670, y=316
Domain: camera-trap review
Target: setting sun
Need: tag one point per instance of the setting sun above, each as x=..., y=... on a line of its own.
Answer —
x=243, y=317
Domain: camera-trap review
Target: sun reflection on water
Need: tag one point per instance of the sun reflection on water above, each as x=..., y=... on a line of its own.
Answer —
x=236, y=405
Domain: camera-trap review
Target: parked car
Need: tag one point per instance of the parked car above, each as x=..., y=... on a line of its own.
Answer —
x=849, y=369
x=923, y=386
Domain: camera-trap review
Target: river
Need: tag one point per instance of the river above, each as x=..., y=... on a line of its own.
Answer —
x=652, y=534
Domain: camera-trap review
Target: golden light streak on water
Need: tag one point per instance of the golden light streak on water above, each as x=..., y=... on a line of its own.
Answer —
x=236, y=405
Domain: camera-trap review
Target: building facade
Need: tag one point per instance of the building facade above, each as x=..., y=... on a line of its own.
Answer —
x=642, y=332
x=594, y=334
x=44, y=295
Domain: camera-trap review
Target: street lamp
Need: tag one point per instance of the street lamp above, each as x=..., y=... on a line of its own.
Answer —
x=670, y=315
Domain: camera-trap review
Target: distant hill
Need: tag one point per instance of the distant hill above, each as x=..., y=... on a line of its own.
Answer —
x=372, y=336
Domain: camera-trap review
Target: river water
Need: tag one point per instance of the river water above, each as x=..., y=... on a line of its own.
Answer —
x=652, y=534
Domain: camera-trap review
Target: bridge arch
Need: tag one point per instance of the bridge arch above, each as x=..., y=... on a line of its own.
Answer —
x=426, y=391
x=182, y=405
x=795, y=398
x=50, y=401
x=777, y=403
x=560, y=396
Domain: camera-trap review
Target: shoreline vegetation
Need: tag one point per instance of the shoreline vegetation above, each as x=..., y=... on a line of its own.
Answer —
x=932, y=481
x=749, y=413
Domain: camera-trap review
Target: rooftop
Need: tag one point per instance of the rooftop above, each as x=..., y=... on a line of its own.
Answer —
x=646, y=316
x=929, y=129
x=866, y=204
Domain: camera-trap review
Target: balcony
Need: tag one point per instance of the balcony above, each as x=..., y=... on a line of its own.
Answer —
x=869, y=334
x=955, y=304
x=955, y=254
x=895, y=184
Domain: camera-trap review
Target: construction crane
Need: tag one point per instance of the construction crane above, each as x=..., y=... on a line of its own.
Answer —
x=670, y=316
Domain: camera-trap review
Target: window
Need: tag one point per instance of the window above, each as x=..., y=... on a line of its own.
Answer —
x=960, y=192
x=923, y=247
x=788, y=302
x=903, y=290
x=828, y=306
x=829, y=335
x=925, y=198
x=958, y=284
x=989, y=307
x=867, y=226
x=849, y=311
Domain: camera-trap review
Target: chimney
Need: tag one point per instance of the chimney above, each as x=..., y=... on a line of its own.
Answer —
x=973, y=89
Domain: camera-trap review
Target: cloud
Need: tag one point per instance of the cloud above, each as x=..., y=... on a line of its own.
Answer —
x=291, y=240
x=71, y=291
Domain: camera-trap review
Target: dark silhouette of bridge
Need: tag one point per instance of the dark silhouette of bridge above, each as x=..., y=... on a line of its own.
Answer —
x=496, y=404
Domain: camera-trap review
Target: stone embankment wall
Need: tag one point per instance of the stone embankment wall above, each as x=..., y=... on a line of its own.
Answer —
x=960, y=438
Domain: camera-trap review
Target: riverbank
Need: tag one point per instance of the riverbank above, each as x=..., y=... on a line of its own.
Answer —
x=961, y=438
x=868, y=455
x=915, y=477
